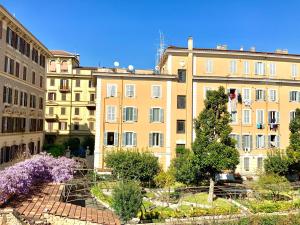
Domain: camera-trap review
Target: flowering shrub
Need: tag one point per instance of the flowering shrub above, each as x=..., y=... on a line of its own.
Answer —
x=18, y=179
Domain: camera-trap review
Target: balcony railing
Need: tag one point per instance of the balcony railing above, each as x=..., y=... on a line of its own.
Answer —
x=50, y=117
x=91, y=105
x=64, y=88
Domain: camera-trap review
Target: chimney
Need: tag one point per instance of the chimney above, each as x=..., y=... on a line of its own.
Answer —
x=252, y=49
x=190, y=43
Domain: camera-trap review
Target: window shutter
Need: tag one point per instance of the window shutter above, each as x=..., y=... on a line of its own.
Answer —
x=278, y=141
x=256, y=95
x=135, y=114
x=113, y=90
x=257, y=141
x=134, y=139
x=243, y=141
x=298, y=96
x=161, y=139
x=161, y=115
x=151, y=115
x=277, y=117
x=124, y=139
x=124, y=114
x=263, y=141
x=250, y=141
x=264, y=95
x=291, y=96
x=150, y=139
x=105, y=139
x=116, y=138
x=238, y=141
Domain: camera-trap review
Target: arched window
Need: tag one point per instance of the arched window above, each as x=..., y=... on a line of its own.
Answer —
x=52, y=66
x=64, y=66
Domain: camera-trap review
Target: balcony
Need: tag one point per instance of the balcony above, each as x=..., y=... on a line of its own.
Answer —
x=91, y=105
x=64, y=89
x=51, y=117
x=51, y=132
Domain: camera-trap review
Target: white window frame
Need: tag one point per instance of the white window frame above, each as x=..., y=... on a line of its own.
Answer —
x=116, y=138
x=270, y=95
x=236, y=118
x=297, y=96
x=109, y=114
x=109, y=88
x=264, y=97
x=272, y=69
x=233, y=66
x=126, y=91
x=161, y=115
x=263, y=116
x=294, y=70
x=153, y=92
x=277, y=116
x=294, y=114
x=244, y=163
x=209, y=66
x=134, y=114
x=160, y=139
x=132, y=139
x=248, y=110
x=260, y=68
x=246, y=67
x=243, y=96
x=260, y=141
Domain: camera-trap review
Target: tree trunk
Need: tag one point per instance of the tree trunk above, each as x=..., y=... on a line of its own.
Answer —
x=211, y=190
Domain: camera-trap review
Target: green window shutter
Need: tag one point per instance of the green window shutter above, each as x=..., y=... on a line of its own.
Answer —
x=151, y=115
x=134, y=139
x=161, y=115
x=251, y=142
x=238, y=141
x=105, y=138
x=116, y=138
x=124, y=139
x=161, y=140
x=124, y=114
x=150, y=139
x=135, y=114
x=256, y=141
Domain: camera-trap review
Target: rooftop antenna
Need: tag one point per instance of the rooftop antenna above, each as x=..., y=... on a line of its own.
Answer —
x=161, y=48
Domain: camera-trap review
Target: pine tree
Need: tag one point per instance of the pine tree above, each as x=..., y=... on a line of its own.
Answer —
x=214, y=150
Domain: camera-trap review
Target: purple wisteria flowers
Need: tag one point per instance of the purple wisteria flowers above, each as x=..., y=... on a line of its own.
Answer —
x=18, y=179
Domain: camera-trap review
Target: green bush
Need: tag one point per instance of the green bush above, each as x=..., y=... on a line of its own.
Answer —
x=277, y=163
x=127, y=200
x=89, y=141
x=55, y=150
x=133, y=165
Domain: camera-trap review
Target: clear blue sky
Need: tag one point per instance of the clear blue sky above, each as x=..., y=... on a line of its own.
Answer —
x=103, y=31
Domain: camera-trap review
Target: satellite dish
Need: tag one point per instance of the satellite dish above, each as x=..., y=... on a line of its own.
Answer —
x=116, y=64
x=130, y=68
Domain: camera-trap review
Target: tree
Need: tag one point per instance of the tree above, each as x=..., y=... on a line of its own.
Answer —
x=277, y=163
x=274, y=184
x=166, y=180
x=133, y=165
x=89, y=141
x=293, y=150
x=74, y=145
x=214, y=151
x=127, y=200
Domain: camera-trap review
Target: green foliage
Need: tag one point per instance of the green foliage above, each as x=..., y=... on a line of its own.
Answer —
x=277, y=163
x=73, y=144
x=89, y=141
x=127, y=200
x=165, y=179
x=55, y=150
x=293, y=150
x=98, y=193
x=133, y=165
x=273, y=184
x=214, y=150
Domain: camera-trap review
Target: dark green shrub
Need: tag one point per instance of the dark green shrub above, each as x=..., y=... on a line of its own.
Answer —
x=133, y=165
x=74, y=145
x=127, y=200
x=89, y=141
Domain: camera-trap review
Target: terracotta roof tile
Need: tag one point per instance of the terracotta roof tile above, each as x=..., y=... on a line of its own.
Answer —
x=61, y=52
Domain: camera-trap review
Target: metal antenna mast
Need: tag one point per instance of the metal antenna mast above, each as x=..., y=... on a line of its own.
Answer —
x=161, y=48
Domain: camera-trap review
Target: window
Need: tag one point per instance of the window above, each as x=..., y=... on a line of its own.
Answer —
x=156, y=139
x=294, y=70
x=77, y=97
x=246, y=164
x=64, y=84
x=259, y=163
x=259, y=116
x=156, y=91
x=91, y=112
x=77, y=111
x=42, y=61
x=63, y=96
x=24, y=73
x=246, y=116
x=246, y=95
x=91, y=84
x=92, y=97
x=23, y=98
x=181, y=75
x=272, y=95
x=260, y=95
x=237, y=140
x=63, y=126
x=9, y=65
x=111, y=90
x=272, y=69
x=209, y=66
x=180, y=126
x=292, y=115
x=294, y=96
x=274, y=141
x=17, y=69
x=52, y=96
x=111, y=138
x=77, y=83
x=129, y=114
x=33, y=77
x=91, y=126
x=259, y=68
x=111, y=113
x=246, y=68
x=273, y=117
x=129, y=90
x=32, y=102
x=7, y=95
x=34, y=55
x=247, y=142
x=129, y=139
x=16, y=97
x=41, y=82
x=233, y=67
x=156, y=115
x=260, y=141
x=52, y=66
x=76, y=126
x=233, y=116
x=64, y=66
x=63, y=111
x=181, y=101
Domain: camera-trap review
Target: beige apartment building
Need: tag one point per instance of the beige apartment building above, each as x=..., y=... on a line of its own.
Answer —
x=22, y=89
x=70, y=103
x=154, y=111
